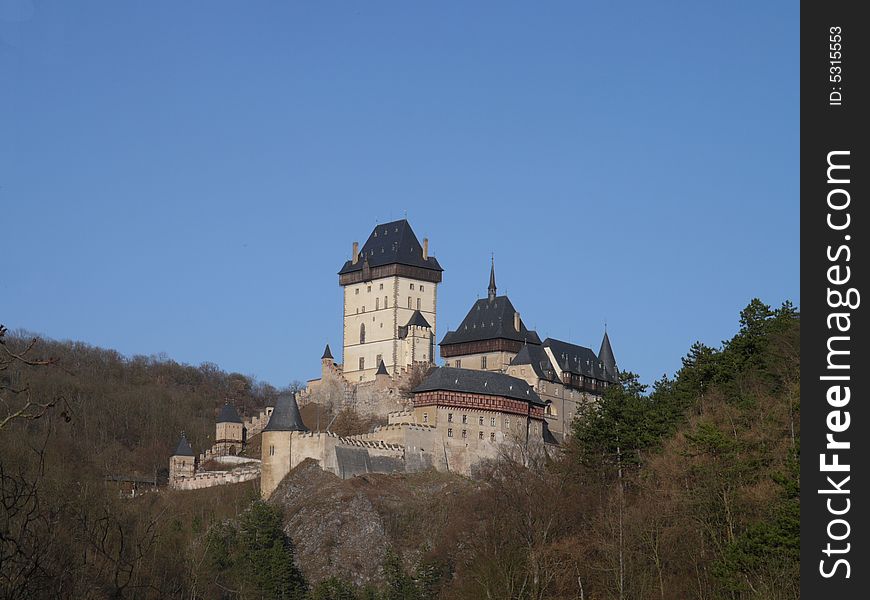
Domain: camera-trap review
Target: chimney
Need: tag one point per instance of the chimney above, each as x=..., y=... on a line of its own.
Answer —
x=355, y=258
x=517, y=321
x=425, y=248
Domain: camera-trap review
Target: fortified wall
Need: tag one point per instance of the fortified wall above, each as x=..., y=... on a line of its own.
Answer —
x=245, y=471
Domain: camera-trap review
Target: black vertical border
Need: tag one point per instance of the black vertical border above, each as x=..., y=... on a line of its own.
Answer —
x=826, y=128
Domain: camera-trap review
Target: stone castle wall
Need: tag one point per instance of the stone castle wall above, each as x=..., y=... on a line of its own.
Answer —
x=205, y=479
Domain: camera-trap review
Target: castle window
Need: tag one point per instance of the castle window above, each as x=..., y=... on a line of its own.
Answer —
x=418, y=304
x=421, y=288
x=464, y=433
x=379, y=359
x=482, y=362
x=465, y=419
x=369, y=289
x=381, y=286
x=449, y=417
x=492, y=437
x=458, y=363
x=377, y=303
x=409, y=302
x=362, y=331
x=492, y=421
x=507, y=422
x=362, y=363
x=449, y=432
x=271, y=450
x=386, y=303
x=480, y=421
x=425, y=417
x=412, y=286
x=364, y=309
x=480, y=435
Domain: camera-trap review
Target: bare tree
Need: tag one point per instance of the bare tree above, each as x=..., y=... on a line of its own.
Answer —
x=16, y=401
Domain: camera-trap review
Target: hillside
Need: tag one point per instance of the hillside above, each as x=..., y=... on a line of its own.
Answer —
x=686, y=489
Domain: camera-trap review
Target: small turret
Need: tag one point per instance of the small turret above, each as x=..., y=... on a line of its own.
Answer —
x=182, y=463
x=229, y=431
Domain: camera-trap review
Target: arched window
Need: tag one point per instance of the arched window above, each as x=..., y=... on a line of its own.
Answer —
x=362, y=333
x=418, y=304
x=409, y=302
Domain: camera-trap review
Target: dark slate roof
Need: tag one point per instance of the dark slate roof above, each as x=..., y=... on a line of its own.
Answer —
x=578, y=360
x=228, y=414
x=285, y=416
x=489, y=383
x=605, y=355
x=389, y=244
x=418, y=319
x=327, y=353
x=489, y=320
x=382, y=369
x=538, y=359
x=183, y=448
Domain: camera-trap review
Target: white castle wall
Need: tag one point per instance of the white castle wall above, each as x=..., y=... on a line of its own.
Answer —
x=205, y=479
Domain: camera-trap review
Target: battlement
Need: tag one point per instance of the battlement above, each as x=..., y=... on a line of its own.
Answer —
x=360, y=441
x=256, y=423
x=205, y=479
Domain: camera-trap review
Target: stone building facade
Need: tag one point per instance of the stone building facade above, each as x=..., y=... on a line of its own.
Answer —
x=459, y=417
x=390, y=291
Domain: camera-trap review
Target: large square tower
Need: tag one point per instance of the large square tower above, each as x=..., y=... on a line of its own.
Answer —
x=390, y=297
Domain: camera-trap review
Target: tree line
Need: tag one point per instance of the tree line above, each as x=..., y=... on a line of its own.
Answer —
x=687, y=488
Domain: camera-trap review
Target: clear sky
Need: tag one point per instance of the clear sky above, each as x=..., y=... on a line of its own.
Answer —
x=188, y=177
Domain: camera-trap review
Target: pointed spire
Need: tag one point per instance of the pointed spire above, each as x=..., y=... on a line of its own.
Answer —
x=184, y=448
x=285, y=416
x=492, y=287
x=605, y=355
x=382, y=369
x=326, y=353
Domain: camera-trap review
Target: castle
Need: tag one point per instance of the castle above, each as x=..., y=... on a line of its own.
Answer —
x=502, y=390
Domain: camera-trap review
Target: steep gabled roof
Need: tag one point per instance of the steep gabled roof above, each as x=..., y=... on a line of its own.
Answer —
x=418, y=319
x=327, y=353
x=605, y=355
x=488, y=383
x=490, y=319
x=228, y=414
x=536, y=357
x=382, y=369
x=285, y=416
x=391, y=243
x=183, y=448
x=578, y=360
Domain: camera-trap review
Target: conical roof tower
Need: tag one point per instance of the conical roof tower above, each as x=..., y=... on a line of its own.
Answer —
x=285, y=416
x=183, y=448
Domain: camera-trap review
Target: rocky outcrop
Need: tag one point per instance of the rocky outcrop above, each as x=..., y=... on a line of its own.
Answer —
x=344, y=527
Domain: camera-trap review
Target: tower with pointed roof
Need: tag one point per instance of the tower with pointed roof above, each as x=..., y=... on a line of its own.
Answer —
x=182, y=463
x=229, y=431
x=390, y=303
x=277, y=441
x=491, y=334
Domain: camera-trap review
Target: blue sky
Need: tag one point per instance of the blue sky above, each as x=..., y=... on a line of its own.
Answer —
x=188, y=177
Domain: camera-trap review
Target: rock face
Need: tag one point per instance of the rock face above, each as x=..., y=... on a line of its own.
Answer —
x=344, y=527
